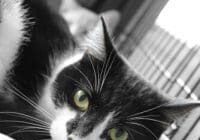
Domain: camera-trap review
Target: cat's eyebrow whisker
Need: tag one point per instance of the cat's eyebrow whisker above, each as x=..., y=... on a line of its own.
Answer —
x=77, y=82
x=146, y=128
x=95, y=73
x=108, y=68
x=102, y=71
x=31, y=102
x=98, y=79
x=86, y=78
x=25, y=116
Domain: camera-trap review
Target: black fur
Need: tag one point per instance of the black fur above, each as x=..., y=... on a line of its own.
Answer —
x=123, y=92
x=49, y=37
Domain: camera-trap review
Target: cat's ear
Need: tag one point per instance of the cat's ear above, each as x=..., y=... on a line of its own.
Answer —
x=177, y=108
x=98, y=42
x=112, y=19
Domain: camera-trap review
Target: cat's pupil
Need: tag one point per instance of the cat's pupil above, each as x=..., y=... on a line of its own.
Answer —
x=119, y=133
x=82, y=98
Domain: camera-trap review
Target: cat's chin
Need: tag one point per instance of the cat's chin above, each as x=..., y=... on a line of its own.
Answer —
x=58, y=130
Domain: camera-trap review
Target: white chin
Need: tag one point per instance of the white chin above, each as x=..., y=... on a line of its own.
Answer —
x=58, y=130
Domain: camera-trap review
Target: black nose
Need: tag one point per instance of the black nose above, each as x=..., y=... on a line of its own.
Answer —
x=71, y=126
x=69, y=138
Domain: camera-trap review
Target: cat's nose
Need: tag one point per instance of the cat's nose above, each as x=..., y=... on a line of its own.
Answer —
x=70, y=138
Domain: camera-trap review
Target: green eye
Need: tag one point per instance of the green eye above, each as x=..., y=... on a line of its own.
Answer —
x=118, y=134
x=81, y=100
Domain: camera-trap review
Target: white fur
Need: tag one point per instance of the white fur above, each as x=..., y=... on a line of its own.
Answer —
x=64, y=115
x=67, y=61
x=4, y=137
x=58, y=128
x=12, y=26
x=46, y=99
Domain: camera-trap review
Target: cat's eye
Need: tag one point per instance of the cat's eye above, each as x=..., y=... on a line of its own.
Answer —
x=81, y=100
x=117, y=134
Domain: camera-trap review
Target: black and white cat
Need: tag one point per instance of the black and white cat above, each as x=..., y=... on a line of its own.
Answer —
x=54, y=88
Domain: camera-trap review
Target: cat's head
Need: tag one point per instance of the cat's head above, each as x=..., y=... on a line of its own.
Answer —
x=94, y=95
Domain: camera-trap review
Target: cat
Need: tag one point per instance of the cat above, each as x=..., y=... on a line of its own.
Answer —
x=55, y=88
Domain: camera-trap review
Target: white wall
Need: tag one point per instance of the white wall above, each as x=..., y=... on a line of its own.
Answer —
x=182, y=19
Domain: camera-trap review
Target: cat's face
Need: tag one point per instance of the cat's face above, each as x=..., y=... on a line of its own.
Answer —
x=94, y=95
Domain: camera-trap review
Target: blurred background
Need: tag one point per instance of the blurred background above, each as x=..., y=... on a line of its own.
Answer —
x=161, y=40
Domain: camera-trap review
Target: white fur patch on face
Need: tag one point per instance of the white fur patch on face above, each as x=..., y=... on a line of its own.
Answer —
x=46, y=99
x=58, y=128
x=97, y=131
x=12, y=25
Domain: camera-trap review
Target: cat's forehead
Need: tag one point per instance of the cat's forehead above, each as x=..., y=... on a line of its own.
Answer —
x=117, y=83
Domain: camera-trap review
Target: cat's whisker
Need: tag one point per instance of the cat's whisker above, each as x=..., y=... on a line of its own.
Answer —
x=98, y=79
x=135, y=131
x=25, y=116
x=149, y=110
x=33, y=127
x=23, y=122
x=130, y=133
x=95, y=73
x=30, y=129
x=132, y=116
x=79, y=84
x=86, y=78
x=150, y=119
x=102, y=71
x=31, y=102
x=146, y=128
x=75, y=81
x=107, y=69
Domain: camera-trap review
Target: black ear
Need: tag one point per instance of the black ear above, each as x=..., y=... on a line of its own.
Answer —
x=179, y=107
x=112, y=19
x=98, y=42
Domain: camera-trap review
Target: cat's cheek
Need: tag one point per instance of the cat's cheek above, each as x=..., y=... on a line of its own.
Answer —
x=58, y=129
